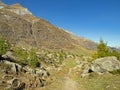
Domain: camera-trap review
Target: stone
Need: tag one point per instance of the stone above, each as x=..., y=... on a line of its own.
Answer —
x=9, y=56
x=105, y=64
x=14, y=66
x=29, y=70
x=42, y=73
x=16, y=84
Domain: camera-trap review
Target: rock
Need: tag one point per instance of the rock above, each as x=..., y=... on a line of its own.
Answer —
x=1, y=82
x=42, y=82
x=103, y=65
x=85, y=69
x=16, y=84
x=38, y=77
x=7, y=77
x=9, y=56
x=82, y=68
x=29, y=70
x=42, y=72
x=14, y=66
x=12, y=83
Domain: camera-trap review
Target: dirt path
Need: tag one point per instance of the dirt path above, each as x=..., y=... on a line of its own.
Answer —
x=70, y=84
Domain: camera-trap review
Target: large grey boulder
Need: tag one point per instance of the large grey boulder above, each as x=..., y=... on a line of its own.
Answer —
x=103, y=65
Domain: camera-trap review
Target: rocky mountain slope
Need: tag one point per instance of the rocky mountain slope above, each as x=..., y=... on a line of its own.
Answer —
x=38, y=59
x=20, y=28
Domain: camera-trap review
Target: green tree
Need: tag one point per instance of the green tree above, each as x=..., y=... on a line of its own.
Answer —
x=102, y=49
x=116, y=53
x=4, y=46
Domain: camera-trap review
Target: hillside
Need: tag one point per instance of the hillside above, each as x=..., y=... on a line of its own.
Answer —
x=20, y=28
x=36, y=55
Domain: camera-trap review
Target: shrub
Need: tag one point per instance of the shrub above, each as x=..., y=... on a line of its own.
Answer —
x=27, y=57
x=33, y=59
x=115, y=71
x=116, y=53
x=21, y=54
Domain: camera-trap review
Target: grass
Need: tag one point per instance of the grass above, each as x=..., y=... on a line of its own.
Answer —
x=115, y=72
x=101, y=82
x=94, y=81
x=80, y=51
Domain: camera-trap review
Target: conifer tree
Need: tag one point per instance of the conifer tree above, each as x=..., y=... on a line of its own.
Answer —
x=102, y=49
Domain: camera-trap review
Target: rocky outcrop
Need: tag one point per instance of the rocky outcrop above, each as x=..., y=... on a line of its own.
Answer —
x=12, y=83
x=16, y=68
x=11, y=75
x=15, y=84
x=18, y=9
x=36, y=77
x=9, y=56
x=103, y=65
x=82, y=66
x=99, y=66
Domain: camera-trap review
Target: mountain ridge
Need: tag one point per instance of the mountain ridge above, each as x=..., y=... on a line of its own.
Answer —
x=26, y=30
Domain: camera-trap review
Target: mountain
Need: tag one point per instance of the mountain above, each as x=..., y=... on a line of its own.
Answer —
x=20, y=28
x=116, y=48
x=41, y=64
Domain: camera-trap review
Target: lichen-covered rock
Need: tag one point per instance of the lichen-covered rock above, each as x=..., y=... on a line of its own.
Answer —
x=102, y=65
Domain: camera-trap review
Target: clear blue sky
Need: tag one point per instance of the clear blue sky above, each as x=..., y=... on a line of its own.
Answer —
x=93, y=19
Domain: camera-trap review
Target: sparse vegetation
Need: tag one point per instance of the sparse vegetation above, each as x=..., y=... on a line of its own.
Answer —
x=27, y=57
x=4, y=46
x=21, y=54
x=33, y=60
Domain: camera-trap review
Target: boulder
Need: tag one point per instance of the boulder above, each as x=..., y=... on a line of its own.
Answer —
x=42, y=73
x=105, y=64
x=14, y=66
x=11, y=82
x=9, y=56
x=16, y=84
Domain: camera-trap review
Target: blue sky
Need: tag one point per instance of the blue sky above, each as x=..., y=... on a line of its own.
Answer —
x=93, y=19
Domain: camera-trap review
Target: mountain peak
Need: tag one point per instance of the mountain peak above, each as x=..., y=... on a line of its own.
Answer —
x=16, y=8
x=19, y=9
x=17, y=5
x=2, y=5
